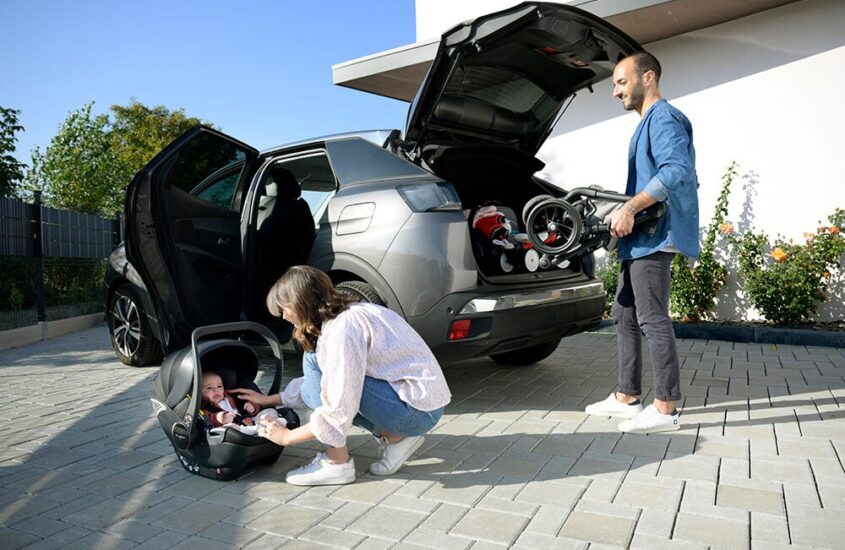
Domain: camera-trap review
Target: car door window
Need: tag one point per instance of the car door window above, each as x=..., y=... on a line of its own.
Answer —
x=221, y=190
x=316, y=179
x=209, y=170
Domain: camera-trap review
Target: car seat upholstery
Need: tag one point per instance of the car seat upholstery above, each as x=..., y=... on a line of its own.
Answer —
x=285, y=228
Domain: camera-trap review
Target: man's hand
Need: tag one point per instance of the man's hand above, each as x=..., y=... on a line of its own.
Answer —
x=621, y=222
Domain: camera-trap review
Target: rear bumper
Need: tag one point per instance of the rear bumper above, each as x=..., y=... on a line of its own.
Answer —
x=512, y=319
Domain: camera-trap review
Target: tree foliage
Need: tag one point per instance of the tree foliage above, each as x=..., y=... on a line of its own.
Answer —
x=11, y=171
x=92, y=159
x=77, y=170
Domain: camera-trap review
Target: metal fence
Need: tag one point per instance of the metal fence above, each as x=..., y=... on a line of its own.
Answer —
x=51, y=261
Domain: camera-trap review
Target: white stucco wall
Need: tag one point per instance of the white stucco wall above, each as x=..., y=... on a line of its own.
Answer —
x=764, y=90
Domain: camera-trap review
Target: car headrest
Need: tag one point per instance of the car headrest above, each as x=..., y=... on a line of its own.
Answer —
x=283, y=182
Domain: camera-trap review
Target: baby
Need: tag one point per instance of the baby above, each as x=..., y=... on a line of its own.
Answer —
x=220, y=409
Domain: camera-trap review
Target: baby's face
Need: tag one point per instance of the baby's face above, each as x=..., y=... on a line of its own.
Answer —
x=212, y=388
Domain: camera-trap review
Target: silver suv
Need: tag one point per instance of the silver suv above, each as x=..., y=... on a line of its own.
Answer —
x=392, y=218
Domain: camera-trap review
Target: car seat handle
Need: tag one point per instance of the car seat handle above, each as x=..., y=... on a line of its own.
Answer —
x=223, y=328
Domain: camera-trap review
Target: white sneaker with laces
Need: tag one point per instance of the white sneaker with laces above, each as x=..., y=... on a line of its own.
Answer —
x=651, y=421
x=322, y=471
x=613, y=407
x=394, y=455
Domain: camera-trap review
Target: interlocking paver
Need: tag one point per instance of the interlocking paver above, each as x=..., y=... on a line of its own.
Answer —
x=514, y=461
x=755, y=500
x=711, y=531
x=430, y=538
x=822, y=528
x=665, y=496
x=490, y=526
x=387, y=523
x=598, y=528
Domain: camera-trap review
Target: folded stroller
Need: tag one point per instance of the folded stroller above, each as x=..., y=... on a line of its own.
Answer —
x=217, y=453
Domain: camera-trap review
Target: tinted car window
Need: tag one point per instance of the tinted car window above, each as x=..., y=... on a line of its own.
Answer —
x=501, y=88
x=220, y=189
x=357, y=160
x=315, y=177
x=208, y=169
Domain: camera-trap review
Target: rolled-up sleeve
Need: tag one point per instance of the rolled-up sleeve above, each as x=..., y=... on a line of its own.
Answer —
x=292, y=394
x=342, y=356
x=670, y=147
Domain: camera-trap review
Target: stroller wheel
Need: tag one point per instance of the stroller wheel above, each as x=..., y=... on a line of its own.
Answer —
x=553, y=226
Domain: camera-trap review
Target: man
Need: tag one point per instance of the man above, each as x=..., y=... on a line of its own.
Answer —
x=661, y=168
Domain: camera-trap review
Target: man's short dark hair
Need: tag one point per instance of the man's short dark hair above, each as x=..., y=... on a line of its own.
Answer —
x=645, y=62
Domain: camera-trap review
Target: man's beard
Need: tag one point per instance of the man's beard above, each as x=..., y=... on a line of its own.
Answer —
x=635, y=99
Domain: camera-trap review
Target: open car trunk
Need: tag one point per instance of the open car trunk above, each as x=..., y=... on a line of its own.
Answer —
x=495, y=184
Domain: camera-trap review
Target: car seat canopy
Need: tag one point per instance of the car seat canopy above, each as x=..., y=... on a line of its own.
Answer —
x=233, y=360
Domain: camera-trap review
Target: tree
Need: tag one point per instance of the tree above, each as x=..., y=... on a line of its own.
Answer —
x=139, y=132
x=11, y=171
x=77, y=170
x=92, y=159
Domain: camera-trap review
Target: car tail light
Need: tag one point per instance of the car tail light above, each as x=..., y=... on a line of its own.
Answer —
x=430, y=197
x=460, y=329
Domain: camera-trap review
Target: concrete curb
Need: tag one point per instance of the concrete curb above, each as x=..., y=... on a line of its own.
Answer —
x=42, y=331
x=747, y=334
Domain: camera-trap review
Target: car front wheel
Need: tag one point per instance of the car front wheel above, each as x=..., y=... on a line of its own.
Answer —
x=131, y=335
x=526, y=356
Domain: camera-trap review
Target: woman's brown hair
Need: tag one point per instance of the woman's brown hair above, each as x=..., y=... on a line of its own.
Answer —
x=310, y=296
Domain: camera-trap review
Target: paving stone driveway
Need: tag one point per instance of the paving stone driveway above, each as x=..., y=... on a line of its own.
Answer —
x=514, y=462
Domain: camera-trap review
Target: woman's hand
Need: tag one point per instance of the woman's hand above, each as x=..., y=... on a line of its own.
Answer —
x=275, y=432
x=258, y=399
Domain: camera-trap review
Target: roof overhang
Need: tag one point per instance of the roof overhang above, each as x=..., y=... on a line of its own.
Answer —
x=397, y=73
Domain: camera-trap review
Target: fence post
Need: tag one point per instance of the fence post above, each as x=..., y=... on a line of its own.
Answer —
x=38, y=252
x=115, y=231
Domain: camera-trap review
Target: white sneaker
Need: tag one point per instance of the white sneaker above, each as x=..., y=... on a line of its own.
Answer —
x=321, y=471
x=613, y=407
x=394, y=455
x=651, y=421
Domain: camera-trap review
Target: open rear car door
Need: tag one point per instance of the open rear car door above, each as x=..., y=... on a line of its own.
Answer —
x=183, y=231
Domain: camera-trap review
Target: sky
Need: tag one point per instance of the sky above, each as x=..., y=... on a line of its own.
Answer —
x=258, y=69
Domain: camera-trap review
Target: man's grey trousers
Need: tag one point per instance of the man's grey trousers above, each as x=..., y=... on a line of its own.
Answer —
x=642, y=307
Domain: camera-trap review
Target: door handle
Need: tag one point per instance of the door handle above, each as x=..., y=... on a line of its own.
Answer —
x=222, y=241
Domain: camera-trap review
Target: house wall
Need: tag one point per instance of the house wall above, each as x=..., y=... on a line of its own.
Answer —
x=764, y=90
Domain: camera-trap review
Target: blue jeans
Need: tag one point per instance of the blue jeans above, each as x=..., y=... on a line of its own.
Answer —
x=381, y=410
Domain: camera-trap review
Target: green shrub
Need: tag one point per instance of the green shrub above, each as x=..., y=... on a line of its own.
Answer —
x=786, y=282
x=696, y=284
x=609, y=276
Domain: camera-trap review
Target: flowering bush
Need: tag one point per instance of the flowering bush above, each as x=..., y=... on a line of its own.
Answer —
x=788, y=282
x=694, y=286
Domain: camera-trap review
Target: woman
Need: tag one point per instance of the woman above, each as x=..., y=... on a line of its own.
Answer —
x=363, y=365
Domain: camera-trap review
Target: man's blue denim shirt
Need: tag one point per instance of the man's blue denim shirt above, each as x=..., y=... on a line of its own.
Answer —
x=661, y=162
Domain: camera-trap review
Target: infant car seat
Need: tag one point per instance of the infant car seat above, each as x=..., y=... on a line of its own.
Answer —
x=218, y=453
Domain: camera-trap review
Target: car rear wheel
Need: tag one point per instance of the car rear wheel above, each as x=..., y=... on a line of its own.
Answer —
x=526, y=356
x=360, y=291
x=131, y=335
